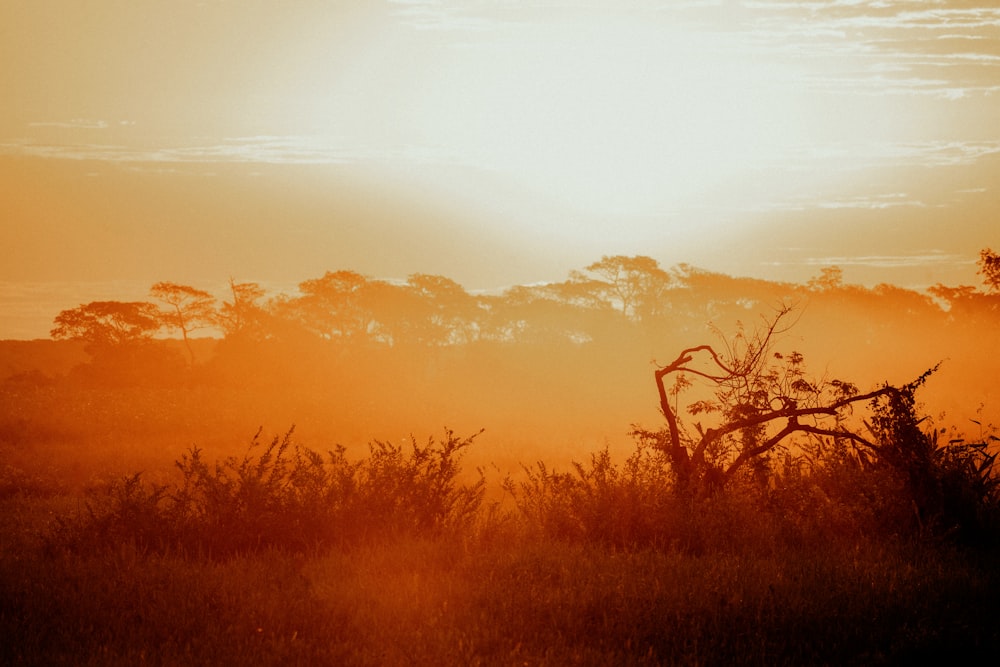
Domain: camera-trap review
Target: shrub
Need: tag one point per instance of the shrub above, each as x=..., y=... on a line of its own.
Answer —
x=283, y=495
x=627, y=506
x=952, y=488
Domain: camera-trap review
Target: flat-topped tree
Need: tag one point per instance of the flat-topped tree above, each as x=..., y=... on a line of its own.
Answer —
x=118, y=336
x=635, y=285
x=107, y=325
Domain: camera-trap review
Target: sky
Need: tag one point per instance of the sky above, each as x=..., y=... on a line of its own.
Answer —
x=495, y=142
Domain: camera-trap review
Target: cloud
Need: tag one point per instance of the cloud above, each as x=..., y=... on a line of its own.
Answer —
x=442, y=15
x=944, y=49
x=936, y=258
x=75, y=124
x=263, y=149
x=880, y=202
x=886, y=48
x=863, y=155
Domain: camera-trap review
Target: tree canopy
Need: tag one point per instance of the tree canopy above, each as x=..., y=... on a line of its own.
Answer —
x=108, y=324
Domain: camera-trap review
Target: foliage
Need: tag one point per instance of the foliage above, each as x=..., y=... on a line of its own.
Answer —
x=417, y=487
x=757, y=398
x=600, y=502
x=952, y=488
x=989, y=269
x=286, y=496
x=830, y=278
x=243, y=317
x=119, y=338
x=636, y=285
x=189, y=309
x=107, y=324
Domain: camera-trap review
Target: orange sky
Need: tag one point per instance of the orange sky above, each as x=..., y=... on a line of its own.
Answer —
x=490, y=141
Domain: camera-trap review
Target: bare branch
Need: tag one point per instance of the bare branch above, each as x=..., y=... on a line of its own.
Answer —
x=756, y=394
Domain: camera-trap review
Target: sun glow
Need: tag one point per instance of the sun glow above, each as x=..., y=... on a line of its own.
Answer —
x=612, y=119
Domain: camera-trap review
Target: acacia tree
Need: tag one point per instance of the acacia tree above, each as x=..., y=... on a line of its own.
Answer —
x=756, y=398
x=188, y=309
x=331, y=306
x=108, y=325
x=636, y=284
x=118, y=337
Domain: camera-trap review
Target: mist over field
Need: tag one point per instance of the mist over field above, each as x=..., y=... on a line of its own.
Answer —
x=552, y=370
x=717, y=463
x=451, y=332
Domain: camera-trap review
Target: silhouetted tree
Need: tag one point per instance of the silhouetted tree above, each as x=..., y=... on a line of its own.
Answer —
x=243, y=317
x=829, y=278
x=394, y=310
x=189, y=309
x=548, y=313
x=989, y=269
x=448, y=313
x=967, y=302
x=756, y=398
x=118, y=336
x=332, y=306
x=637, y=285
x=108, y=324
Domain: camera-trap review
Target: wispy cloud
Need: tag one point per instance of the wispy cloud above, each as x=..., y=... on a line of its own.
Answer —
x=266, y=149
x=875, y=203
x=945, y=49
x=936, y=258
x=74, y=124
x=863, y=155
x=443, y=15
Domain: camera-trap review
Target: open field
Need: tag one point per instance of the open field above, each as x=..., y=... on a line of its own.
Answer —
x=494, y=599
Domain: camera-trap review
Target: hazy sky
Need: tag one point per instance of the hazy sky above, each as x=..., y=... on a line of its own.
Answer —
x=491, y=141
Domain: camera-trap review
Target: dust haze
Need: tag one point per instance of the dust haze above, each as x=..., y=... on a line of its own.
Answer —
x=550, y=371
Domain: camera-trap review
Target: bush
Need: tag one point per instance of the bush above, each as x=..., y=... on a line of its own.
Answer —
x=632, y=505
x=283, y=495
x=952, y=488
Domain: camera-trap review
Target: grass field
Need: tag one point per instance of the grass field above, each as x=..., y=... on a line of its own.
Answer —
x=732, y=581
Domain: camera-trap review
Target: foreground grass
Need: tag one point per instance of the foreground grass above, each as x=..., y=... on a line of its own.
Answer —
x=495, y=599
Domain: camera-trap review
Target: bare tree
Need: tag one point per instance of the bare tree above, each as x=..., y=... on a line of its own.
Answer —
x=756, y=399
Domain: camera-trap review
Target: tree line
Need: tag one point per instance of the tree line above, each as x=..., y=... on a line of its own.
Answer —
x=348, y=307
x=612, y=304
x=429, y=310
x=732, y=408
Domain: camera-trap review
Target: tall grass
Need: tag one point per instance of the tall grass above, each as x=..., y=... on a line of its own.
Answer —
x=284, y=495
x=284, y=556
x=432, y=601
